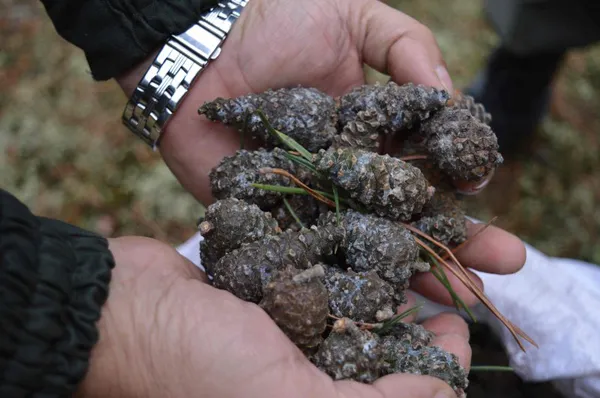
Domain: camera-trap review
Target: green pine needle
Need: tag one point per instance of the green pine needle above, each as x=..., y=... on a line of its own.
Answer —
x=441, y=276
x=491, y=369
x=286, y=140
x=295, y=191
x=280, y=188
x=303, y=162
x=389, y=324
x=243, y=134
x=336, y=197
x=292, y=212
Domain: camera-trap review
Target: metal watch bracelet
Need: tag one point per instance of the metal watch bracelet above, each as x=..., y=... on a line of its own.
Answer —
x=173, y=71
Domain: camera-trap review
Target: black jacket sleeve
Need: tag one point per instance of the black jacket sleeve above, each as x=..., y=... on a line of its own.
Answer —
x=53, y=283
x=115, y=35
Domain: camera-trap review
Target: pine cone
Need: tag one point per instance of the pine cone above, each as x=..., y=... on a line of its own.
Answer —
x=360, y=296
x=305, y=114
x=229, y=223
x=233, y=177
x=388, y=186
x=460, y=145
x=350, y=353
x=390, y=108
x=443, y=219
x=244, y=271
x=463, y=101
x=297, y=302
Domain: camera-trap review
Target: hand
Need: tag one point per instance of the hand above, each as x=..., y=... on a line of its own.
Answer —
x=164, y=332
x=279, y=43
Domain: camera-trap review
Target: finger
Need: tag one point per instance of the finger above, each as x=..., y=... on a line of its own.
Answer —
x=398, y=45
x=427, y=285
x=452, y=335
x=396, y=386
x=494, y=250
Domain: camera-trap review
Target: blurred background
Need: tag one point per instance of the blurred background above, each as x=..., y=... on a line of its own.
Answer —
x=66, y=154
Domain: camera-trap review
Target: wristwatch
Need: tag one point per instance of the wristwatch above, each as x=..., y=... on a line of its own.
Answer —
x=173, y=71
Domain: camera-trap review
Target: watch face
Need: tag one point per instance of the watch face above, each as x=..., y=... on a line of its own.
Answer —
x=200, y=40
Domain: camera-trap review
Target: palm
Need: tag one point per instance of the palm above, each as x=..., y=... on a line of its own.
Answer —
x=271, y=49
x=194, y=338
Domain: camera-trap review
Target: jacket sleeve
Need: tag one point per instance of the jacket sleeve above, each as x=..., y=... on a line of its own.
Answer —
x=115, y=35
x=53, y=283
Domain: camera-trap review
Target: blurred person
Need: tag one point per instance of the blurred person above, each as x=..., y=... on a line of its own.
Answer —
x=131, y=317
x=516, y=84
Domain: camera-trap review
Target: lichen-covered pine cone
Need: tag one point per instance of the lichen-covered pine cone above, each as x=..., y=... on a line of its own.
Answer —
x=405, y=349
x=233, y=177
x=350, y=353
x=244, y=271
x=229, y=223
x=370, y=110
x=388, y=186
x=390, y=108
x=464, y=101
x=359, y=296
x=297, y=302
x=460, y=145
x=411, y=335
x=377, y=244
x=401, y=357
x=305, y=114
x=443, y=219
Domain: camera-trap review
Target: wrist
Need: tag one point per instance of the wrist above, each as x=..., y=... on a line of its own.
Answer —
x=185, y=126
x=139, y=352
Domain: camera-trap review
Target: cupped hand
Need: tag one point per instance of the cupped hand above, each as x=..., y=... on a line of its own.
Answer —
x=282, y=43
x=165, y=332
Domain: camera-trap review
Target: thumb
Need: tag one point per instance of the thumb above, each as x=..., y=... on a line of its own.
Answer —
x=398, y=45
x=397, y=386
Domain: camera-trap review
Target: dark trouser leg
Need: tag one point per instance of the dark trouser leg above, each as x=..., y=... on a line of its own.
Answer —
x=515, y=89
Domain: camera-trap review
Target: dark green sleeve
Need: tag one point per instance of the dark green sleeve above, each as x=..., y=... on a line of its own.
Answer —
x=115, y=35
x=53, y=283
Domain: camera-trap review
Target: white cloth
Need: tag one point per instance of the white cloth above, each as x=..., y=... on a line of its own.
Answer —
x=555, y=301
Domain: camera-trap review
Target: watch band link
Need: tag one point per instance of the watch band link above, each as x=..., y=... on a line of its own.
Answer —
x=173, y=71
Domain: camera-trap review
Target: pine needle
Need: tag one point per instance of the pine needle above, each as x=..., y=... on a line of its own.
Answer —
x=296, y=181
x=464, y=277
x=295, y=191
x=491, y=369
x=286, y=140
x=441, y=276
x=386, y=326
x=243, y=134
x=413, y=157
x=292, y=212
x=303, y=162
x=515, y=331
x=280, y=188
x=336, y=197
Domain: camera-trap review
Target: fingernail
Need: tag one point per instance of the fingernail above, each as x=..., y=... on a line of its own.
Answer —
x=444, y=394
x=445, y=80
